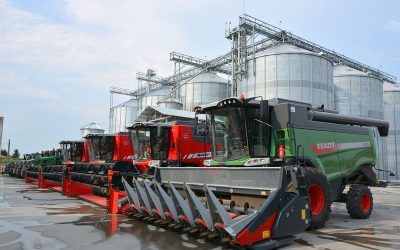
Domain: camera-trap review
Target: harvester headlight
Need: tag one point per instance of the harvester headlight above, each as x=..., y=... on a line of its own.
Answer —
x=207, y=163
x=256, y=162
x=154, y=164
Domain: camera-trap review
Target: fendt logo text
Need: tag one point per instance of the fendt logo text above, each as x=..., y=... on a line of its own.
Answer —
x=321, y=148
x=328, y=145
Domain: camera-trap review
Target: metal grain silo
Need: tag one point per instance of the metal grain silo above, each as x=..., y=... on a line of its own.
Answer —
x=123, y=115
x=91, y=128
x=205, y=88
x=391, y=99
x=360, y=94
x=357, y=93
x=1, y=129
x=152, y=98
x=170, y=103
x=289, y=72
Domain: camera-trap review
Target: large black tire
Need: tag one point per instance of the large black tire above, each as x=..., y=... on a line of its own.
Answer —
x=359, y=202
x=319, y=196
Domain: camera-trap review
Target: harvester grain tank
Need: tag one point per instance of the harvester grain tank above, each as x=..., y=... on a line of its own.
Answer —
x=276, y=168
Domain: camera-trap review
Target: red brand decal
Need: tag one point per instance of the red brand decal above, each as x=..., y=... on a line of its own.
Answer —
x=322, y=148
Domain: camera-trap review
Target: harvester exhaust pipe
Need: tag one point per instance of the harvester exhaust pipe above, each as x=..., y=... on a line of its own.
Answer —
x=381, y=125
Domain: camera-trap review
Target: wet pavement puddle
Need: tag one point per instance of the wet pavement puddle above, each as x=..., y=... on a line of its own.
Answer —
x=367, y=238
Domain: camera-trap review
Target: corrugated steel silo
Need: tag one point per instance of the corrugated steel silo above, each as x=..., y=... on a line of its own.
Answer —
x=152, y=98
x=123, y=115
x=391, y=99
x=91, y=128
x=360, y=94
x=289, y=72
x=357, y=93
x=205, y=88
x=1, y=129
x=170, y=103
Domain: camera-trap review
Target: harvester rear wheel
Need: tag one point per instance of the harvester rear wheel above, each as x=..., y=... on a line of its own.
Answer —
x=359, y=203
x=319, y=196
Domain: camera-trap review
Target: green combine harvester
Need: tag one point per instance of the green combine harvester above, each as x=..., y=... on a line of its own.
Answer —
x=276, y=167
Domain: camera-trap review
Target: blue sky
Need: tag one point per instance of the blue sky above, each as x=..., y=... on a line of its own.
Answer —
x=59, y=58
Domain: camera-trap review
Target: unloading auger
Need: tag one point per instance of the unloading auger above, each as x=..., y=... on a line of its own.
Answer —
x=208, y=210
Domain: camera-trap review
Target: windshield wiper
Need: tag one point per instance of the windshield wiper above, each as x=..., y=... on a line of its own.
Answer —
x=269, y=125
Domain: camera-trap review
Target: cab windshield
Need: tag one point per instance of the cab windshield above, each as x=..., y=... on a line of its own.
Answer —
x=71, y=151
x=148, y=145
x=100, y=147
x=236, y=132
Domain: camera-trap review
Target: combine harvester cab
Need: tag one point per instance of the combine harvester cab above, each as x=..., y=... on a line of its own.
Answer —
x=54, y=176
x=174, y=144
x=97, y=179
x=276, y=167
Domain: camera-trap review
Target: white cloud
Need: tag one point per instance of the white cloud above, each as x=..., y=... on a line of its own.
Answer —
x=393, y=25
x=15, y=85
x=23, y=90
x=105, y=44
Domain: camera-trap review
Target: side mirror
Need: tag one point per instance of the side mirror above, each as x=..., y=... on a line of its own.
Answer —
x=264, y=111
x=201, y=129
x=158, y=131
x=196, y=124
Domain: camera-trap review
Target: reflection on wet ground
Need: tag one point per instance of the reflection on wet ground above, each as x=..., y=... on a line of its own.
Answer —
x=380, y=231
x=47, y=220
x=149, y=236
x=366, y=238
x=38, y=219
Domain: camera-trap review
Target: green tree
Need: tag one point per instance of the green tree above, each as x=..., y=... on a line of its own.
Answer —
x=15, y=154
x=3, y=152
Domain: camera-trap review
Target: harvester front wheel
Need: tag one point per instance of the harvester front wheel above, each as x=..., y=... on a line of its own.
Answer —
x=359, y=202
x=319, y=196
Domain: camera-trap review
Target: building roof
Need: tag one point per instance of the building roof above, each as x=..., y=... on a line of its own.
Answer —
x=163, y=112
x=92, y=125
x=390, y=87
